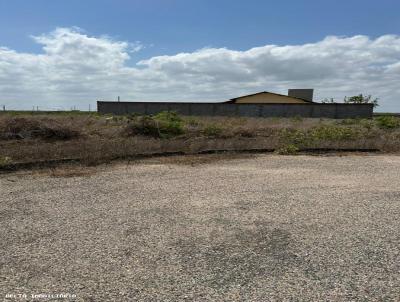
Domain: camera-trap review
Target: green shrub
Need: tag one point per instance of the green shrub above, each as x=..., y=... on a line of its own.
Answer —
x=294, y=137
x=332, y=133
x=361, y=99
x=143, y=125
x=287, y=149
x=387, y=122
x=162, y=125
x=367, y=123
x=307, y=138
x=297, y=118
x=212, y=130
x=4, y=160
x=169, y=116
x=169, y=123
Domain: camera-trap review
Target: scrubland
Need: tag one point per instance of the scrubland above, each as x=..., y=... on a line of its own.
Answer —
x=90, y=138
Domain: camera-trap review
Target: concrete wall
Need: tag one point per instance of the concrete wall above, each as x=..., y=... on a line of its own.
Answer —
x=316, y=110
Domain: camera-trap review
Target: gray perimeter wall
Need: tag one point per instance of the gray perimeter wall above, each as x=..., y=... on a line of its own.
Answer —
x=337, y=111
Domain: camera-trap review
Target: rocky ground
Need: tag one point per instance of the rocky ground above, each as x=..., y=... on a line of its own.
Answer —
x=205, y=228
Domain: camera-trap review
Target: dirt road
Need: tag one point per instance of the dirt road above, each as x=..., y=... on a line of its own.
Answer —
x=252, y=228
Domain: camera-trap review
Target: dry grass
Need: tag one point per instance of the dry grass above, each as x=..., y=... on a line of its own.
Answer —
x=94, y=139
x=40, y=127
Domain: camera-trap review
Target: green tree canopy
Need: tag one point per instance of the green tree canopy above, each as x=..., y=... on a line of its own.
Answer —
x=361, y=99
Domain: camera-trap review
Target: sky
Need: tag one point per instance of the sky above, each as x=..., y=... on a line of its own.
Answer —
x=63, y=54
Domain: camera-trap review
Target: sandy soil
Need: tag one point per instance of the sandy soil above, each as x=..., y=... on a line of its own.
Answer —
x=251, y=228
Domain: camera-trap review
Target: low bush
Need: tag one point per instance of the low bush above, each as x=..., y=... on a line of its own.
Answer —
x=212, y=130
x=169, y=123
x=25, y=128
x=168, y=116
x=367, y=123
x=297, y=119
x=5, y=160
x=333, y=133
x=57, y=132
x=143, y=125
x=322, y=133
x=387, y=122
x=243, y=132
x=162, y=125
x=119, y=118
x=287, y=149
x=294, y=137
x=349, y=121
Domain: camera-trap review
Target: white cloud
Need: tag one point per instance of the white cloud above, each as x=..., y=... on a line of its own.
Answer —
x=75, y=69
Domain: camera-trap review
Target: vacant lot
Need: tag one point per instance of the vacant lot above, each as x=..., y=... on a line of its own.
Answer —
x=251, y=228
x=93, y=139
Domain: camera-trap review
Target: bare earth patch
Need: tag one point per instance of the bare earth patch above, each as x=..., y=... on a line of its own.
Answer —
x=203, y=228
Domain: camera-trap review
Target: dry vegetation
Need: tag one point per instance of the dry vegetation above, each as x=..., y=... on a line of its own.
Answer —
x=92, y=138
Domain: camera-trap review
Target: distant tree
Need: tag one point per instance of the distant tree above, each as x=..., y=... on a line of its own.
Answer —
x=361, y=99
x=326, y=100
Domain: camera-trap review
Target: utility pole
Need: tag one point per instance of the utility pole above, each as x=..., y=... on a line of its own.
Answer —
x=118, y=99
x=4, y=107
x=89, y=107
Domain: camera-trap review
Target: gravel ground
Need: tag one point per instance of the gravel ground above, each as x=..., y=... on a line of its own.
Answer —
x=252, y=228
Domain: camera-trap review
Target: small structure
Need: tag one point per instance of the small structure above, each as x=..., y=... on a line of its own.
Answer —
x=295, y=96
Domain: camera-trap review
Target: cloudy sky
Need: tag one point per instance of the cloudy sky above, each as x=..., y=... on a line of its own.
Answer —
x=56, y=56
